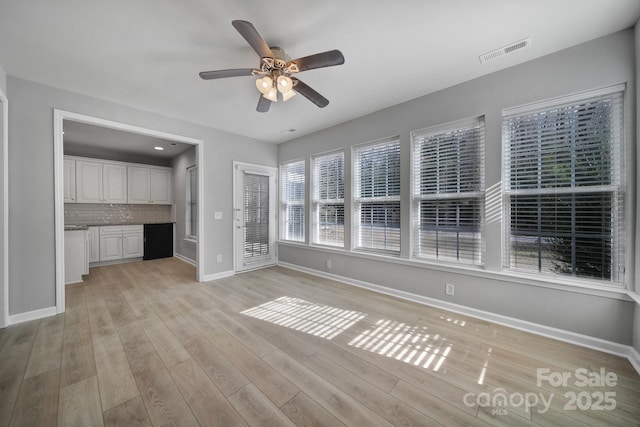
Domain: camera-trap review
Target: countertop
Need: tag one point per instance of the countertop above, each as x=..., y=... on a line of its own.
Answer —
x=75, y=227
x=85, y=226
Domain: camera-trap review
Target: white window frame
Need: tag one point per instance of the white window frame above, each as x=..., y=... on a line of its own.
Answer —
x=616, y=188
x=318, y=202
x=445, y=191
x=358, y=201
x=189, y=205
x=286, y=203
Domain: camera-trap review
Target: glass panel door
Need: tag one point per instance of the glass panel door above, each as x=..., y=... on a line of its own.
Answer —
x=254, y=216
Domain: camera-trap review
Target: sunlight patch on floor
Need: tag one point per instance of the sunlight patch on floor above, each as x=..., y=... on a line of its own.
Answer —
x=408, y=343
x=484, y=367
x=316, y=319
x=456, y=322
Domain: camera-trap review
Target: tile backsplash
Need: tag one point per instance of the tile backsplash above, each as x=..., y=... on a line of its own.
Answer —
x=105, y=214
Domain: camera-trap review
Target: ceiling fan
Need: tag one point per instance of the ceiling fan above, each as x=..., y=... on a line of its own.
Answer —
x=276, y=70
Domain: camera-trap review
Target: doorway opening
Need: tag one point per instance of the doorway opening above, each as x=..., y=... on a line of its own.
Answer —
x=60, y=116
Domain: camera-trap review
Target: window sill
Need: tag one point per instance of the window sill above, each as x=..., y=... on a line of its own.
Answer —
x=634, y=296
x=558, y=283
x=190, y=240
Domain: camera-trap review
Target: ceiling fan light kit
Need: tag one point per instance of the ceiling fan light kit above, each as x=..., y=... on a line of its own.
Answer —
x=276, y=70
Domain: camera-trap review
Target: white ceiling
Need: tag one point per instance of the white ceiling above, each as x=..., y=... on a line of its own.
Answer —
x=147, y=53
x=88, y=140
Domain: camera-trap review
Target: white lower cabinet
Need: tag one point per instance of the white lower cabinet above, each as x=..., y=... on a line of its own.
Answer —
x=94, y=244
x=132, y=245
x=121, y=242
x=75, y=255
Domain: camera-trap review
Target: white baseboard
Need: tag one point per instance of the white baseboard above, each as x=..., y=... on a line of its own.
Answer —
x=605, y=346
x=221, y=275
x=114, y=262
x=634, y=358
x=185, y=259
x=32, y=315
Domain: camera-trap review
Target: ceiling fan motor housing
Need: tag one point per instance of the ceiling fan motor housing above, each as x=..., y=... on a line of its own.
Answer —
x=279, y=53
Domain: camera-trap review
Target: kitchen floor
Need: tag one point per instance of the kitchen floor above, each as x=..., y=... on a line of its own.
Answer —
x=143, y=343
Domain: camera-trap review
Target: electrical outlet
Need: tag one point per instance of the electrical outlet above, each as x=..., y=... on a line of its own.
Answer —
x=448, y=289
x=329, y=264
x=219, y=258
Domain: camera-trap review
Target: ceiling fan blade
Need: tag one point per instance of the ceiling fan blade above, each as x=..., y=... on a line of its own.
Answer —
x=319, y=60
x=220, y=74
x=251, y=35
x=263, y=105
x=306, y=91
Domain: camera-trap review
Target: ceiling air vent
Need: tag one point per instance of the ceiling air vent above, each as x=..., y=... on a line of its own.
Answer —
x=490, y=56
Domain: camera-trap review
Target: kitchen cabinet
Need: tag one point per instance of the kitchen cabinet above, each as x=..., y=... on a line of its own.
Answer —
x=121, y=242
x=114, y=183
x=69, y=174
x=76, y=262
x=93, y=236
x=161, y=186
x=132, y=245
x=99, y=182
x=149, y=185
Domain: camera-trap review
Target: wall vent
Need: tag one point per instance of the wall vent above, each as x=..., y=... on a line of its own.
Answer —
x=494, y=54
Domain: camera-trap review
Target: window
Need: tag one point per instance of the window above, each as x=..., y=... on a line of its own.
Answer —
x=448, y=192
x=328, y=199
x=564, y=189
x=377, y=197
x=191, y=221
x=292, y=201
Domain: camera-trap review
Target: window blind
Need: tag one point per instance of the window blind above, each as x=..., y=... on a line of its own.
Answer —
x=257, y=235
x=564, y=189
x=377, y=196
x=192, y=203
x=328, y=199
x=448, y=192
x=292, y=201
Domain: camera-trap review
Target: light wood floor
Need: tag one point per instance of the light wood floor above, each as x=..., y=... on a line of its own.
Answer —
x=145, y=344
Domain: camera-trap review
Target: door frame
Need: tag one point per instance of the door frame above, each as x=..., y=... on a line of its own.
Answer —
x=4, y=138
x=271, y=171
x=59, y=116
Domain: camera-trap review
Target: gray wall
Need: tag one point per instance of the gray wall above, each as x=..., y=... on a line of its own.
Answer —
x=2, y=207
x=31, y=189
x=180, y=165
x=3, y=80
x=636, y=319
x=602, y=62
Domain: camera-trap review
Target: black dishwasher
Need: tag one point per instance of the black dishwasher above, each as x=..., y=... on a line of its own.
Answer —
x=158, y=241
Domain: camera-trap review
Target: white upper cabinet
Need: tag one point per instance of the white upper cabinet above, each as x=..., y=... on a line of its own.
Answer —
x=88, y=182
x=99, y=182
x=138, y=183
x=69, y=181
x=114, y=183
x=149, y=185
x=161, y=185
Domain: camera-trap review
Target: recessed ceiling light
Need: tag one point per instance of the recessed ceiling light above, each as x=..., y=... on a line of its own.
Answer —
x=158, y=148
